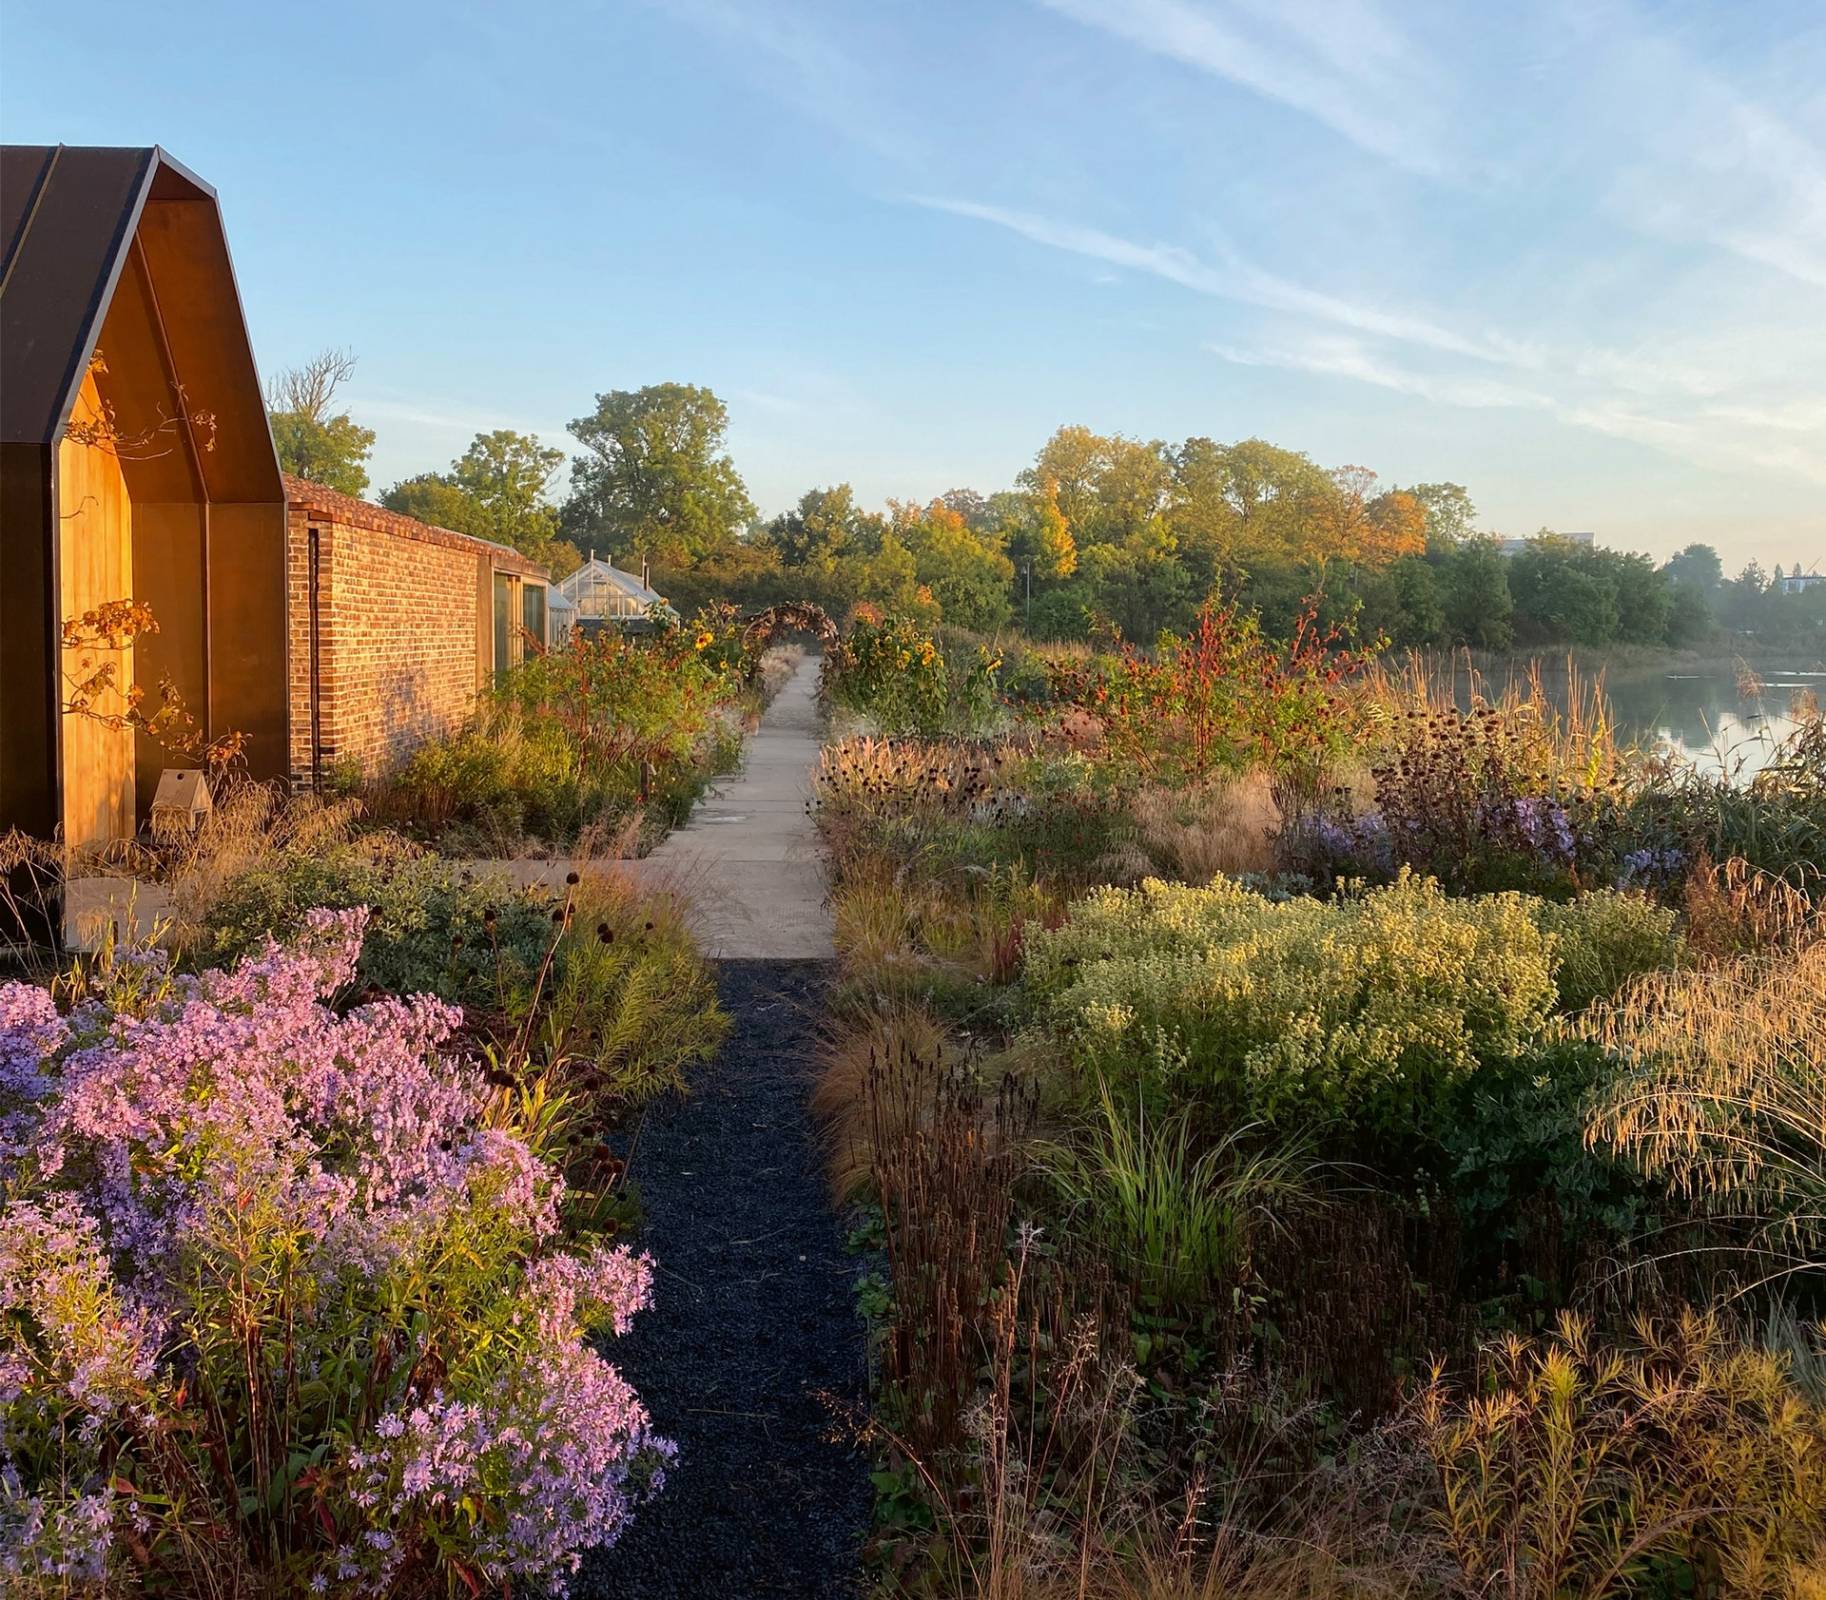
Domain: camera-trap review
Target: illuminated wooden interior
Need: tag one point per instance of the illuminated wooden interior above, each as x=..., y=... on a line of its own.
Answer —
x=138, y=465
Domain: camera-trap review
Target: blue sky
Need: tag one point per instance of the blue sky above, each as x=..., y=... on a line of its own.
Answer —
x=1572, y=255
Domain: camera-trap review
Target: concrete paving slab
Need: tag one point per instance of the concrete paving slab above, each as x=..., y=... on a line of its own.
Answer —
x=747, y=861
x=748, y=855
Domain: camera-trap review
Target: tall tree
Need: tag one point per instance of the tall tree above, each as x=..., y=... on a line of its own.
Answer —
x=968, y=504
x=1240, y=506
x=1035, y=535
x=1558, y=598
x=1697, y=565
x=313, y=440
x=821, y=531
x=431, y=497
x=1110, y=489
x=1451, y=515
x=497, y=489
x=655, y=478
x=1479, y=608
x=1420, y=612
x=1357, y=524
x=511, y=473
x=965, y=572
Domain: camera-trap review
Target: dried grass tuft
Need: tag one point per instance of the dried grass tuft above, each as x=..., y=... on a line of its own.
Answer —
x=1228, y=826
x=889, y=1030
x=1736, y=909
x=1723, y=1092
x=253, y=826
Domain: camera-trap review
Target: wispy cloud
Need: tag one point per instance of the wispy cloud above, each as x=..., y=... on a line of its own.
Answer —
x=766, y=400
x=1676, y=148
x=803, y=63
x=1342, y=64
x=1720, y=411
x=1694, y=155
x=1346, y=358
x=1727, y=437
x=1792, y=416
x=412, y=412
x=1229, y=279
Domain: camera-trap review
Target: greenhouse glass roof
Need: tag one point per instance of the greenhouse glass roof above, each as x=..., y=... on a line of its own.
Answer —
x=599, y=590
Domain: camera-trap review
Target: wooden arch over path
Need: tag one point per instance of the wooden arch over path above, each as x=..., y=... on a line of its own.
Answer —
x=792, y=616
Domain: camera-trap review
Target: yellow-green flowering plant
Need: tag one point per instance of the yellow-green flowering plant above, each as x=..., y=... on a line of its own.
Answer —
x=1361, y=1010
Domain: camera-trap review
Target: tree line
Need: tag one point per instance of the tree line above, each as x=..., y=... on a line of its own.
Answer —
x=1100, y=537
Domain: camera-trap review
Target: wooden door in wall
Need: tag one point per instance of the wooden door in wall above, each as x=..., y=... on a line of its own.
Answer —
x=505, y=636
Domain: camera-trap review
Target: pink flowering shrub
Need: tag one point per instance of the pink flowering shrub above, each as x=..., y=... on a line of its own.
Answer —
x=281, y=1300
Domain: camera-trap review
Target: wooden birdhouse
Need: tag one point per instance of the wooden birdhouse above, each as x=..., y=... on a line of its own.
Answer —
x=182, y=801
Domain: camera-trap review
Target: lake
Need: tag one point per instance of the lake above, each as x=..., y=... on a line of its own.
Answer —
x=1712, y=715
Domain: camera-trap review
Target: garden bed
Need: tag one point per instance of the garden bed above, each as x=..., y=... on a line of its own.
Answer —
x=1255, y=1065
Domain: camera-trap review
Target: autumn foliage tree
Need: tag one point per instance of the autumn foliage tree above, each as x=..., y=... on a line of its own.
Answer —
x=1354, y=523
x=1102, y=536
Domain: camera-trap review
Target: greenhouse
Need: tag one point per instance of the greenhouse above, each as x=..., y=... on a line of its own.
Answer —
x=604, y=593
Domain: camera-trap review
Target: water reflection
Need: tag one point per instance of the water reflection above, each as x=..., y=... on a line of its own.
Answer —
x=1719, y=718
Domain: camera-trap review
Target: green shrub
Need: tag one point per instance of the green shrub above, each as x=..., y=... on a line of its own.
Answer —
x=1602, y=940
x=1222, y=697
x=583, y=736
x=895, y=672
x=432, y=927
x=628, y=1003
x=1530, y=1192
x=1362, y=1012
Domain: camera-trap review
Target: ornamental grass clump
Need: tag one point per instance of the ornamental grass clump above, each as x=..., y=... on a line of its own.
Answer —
x=1683, y=1461
x=283, y=1302
x=1722, y=1094
x=1364, y=1012
x=1176, y=1221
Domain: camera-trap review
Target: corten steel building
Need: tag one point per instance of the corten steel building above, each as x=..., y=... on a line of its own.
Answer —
x=136, y=462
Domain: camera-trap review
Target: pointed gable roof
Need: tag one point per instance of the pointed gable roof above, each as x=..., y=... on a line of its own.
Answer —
x=597, y=577
x=70, y=216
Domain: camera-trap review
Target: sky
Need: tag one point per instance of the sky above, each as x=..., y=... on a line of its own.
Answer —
x=1571, y=255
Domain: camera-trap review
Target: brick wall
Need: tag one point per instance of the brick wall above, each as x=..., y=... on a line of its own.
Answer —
x=401, y=620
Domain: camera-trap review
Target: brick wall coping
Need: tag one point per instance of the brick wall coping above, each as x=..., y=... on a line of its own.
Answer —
x=314, y=498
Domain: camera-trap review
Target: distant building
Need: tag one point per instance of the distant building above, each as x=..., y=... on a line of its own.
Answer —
x=602, y=592
x=1801, y=582
x=560, y=616
x=1510, y=547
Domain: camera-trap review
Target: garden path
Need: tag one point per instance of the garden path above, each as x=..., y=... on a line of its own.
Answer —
x=746, y=861
x=752, y=1355
x=748, y=856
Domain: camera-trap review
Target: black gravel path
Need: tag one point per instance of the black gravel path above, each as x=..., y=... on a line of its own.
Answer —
x=753, y=1336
